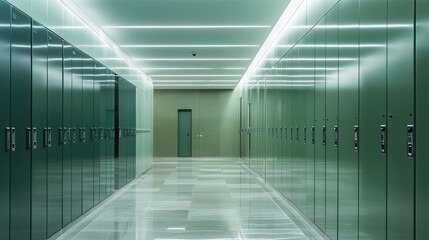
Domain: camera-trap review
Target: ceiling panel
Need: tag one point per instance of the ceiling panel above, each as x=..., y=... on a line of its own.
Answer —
x=162, y=35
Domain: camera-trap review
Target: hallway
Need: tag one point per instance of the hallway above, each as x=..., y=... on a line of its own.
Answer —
x=199, y=198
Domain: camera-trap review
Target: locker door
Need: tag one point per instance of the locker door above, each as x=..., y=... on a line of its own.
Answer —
x=4, y=121
x=309, y=123
x=348, y=178
x=101, y=101
x=20, y=181
x=122, y=139
x=372, y=115
x=73, y=134
x=63, y=138
x=332, y=124
x=39, y=128
x=110, y=143
x=55, y=122
x=87, y=146
x=400, y=95
x=320, y=128
x=98, y=180
x=422, y=119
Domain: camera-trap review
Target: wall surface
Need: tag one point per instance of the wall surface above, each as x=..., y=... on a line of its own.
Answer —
x=215, y=116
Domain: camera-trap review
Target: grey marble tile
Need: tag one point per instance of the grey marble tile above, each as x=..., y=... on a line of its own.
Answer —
x=207, y=198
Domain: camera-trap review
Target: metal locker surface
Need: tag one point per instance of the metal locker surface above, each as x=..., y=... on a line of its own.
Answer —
x=5, y=42
x=372, y=114
x=98, y=77
x=348, y=175
x=422, y=119
x=20, y=166
x=331, y=123
x=87, y=121
x=69, y=54
x=320, y=95
x=77, y=65
x=55, y=122
x=39, y=108
x=400, y=96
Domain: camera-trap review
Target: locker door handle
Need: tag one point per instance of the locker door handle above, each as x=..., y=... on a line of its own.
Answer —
x=336, y=136
x=101, y=133
x=45, y=137
x=410, y=141
x=80, y=135
x=313, y=135
x=297, y=135
x=286, y=133
x=29, y=140
x=305, y=134
x=356, y=137
x=291, y=134
x=7, y=139
x=34, y=138
x=95, y=134
x=383, y=136
x=74, y=135
x=324, y=135
x=281, y=133
x=13, y=138
x=49, y=137
x=60, y=131
x=84, y=134
x=69, y=135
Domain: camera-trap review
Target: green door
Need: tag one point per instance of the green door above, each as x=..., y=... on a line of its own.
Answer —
x=184, y=133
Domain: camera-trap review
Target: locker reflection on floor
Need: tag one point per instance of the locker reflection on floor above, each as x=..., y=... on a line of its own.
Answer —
x=207, y=198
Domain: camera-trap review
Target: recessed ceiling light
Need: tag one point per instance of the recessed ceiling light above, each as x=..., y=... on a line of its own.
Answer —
x=190, y=46
x=192, y=75
x=192, y=59
x=193, y=69
x=187, y=27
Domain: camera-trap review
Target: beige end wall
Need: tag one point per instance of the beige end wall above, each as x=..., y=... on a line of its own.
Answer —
x=215, y=116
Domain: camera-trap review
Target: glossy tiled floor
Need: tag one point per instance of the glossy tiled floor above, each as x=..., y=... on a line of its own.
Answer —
x=192, y=199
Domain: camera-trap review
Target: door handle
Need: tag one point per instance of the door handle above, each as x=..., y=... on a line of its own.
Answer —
x=13, y=138
x=410, y=141
x=29, y=140
x=100, y=133
x=356, y=137
x=84, y=134
x=34, y=138
x=313, y=135
x=324, y=135
x=297, y=134
x=383, y=138
x=7, y=139
x=305, y=134
x=74, y=135
x=69, y=134
x=45, y=137
x=49, y=137
x=291, y=134
x=336, y=136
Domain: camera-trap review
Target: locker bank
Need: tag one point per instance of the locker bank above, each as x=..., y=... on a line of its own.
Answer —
x=198, y=119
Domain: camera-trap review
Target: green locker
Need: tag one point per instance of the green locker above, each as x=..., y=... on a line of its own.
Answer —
x=320, y=128
x=63, y=138
x=111, y=125
x=99, y=175
x=332, y=123
x=54, y=145
x=400, y=123
x=309, y=81
x=73, y=134
x=39, y=121
x=21, y=133
x=372, y=115
x=87, y=121
x=122, y=165
x=5, y=121
x=348, y=109
x=422, y=119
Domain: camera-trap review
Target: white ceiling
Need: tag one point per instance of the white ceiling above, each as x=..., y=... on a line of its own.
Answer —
x=161, y=35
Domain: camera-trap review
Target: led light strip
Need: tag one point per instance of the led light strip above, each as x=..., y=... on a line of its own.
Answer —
x=190, y=46
x=76, y=11
x=272, y=38
x=187, y=27
x=192, y=59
